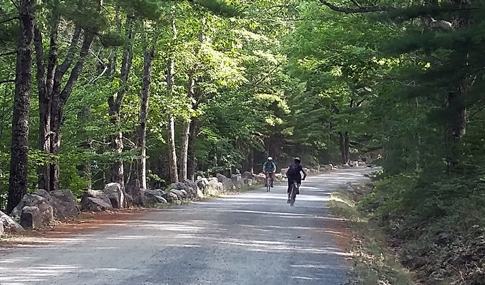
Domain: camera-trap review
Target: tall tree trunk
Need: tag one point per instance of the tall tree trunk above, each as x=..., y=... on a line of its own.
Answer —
x=342, y=147
x=346, y=147
x=59, y=99
x=455, y=125
x=172, y=154
x=20, y=121
x=184, y=150
x=142, y=128
x=45, y=85
x=117, y=172
x=191, y=129
x=251, y=161
x=191, y=160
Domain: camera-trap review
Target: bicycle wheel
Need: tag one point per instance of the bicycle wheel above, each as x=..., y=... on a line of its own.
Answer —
x=268, y=184
x=293, y=194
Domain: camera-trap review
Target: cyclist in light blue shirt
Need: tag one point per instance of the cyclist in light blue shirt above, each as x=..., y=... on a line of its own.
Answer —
x=269, y=169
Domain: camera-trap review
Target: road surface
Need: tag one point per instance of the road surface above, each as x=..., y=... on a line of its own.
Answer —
x=250, y=238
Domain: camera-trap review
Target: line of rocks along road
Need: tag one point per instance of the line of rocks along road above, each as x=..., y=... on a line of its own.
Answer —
x=249, y=238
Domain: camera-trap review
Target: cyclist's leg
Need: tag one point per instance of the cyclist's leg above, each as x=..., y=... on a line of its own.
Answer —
x=290, y=183
x=272, y=174
x=298, y=183
x=265, y=178
x=294, y=192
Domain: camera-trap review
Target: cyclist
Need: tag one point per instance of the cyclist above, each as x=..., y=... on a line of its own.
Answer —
x=294, y=174
x=269, y=169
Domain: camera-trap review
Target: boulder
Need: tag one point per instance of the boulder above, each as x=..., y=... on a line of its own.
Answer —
x=188, y=186
x=202, y=184
x=39, y=211
x=260, y=178
x=191, y=187
x=181, y=194
x=247, y=175
x=31, y=217
x=170, y=197
x=279, y=177
x=154, y=197
x=64, y=204
x=134, y=189
x=214, y=187
x=220, y=177
x=283, y=171
x=115, y=195
x=8, y=225
x=128, y=200
x=227, y=183
x=237, y=180
x=95, y=204
x=248, y=181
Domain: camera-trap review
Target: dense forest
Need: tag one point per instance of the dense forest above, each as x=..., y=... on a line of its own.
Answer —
x=160, y=91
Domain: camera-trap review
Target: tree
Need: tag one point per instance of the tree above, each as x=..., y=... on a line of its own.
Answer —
x=149, y=51
x=20, y=120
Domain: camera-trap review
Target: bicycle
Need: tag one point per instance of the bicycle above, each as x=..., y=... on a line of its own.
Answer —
x=268, y=183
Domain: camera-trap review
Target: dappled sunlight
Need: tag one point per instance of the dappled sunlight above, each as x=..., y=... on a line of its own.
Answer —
x=34, y=273
x=253, y=233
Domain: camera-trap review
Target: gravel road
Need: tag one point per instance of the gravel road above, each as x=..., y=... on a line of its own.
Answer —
x=250, y=238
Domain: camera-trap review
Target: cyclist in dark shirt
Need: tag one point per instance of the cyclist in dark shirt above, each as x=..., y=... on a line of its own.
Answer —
x=294, y=174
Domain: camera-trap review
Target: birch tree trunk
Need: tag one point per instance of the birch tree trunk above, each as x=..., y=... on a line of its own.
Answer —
x=20, y=121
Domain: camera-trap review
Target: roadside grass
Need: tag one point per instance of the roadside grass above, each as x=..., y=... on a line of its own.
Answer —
x=374, y=261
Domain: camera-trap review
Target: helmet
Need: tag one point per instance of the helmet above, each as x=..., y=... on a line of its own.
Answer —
x=297, y=159
x=270, y=158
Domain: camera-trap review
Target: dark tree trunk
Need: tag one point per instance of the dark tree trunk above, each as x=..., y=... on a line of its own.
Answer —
x=44, y=104
x=142, y=128
x=455, y=126
x=184, y=148
x=344, y=146
x=20, y=121
x=59, y=99
x=117, y=172
x=191, y=160
x=172, y=154
x=251, y=161
x=52, y=97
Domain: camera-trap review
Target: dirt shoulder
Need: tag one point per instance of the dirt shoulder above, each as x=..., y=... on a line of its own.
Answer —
x=84, y=223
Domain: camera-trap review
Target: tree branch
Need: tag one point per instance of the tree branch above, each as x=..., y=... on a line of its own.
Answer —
x=105, y=68
x=8, y=53
x=7, y=81
x=368, y=9
x=126, y=62
x=76, y=71
x=62, y=69
x=8, y=20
